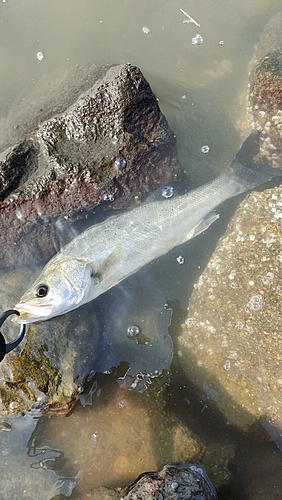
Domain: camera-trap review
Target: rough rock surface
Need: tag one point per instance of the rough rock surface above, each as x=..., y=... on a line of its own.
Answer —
x=112, y=140
x=231, y=343
x=265, y=92
x=173, y=482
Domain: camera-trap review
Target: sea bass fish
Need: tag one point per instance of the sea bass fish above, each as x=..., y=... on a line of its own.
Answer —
x=106, y=253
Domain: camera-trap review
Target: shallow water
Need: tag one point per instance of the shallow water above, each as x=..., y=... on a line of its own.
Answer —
x=201, y=90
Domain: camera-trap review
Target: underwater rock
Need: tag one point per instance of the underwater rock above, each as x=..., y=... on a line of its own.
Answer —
x=231, y=342
x=47, y=372
x=264, y=104
x=173, y=482
x=101, y=494
x=110, y=141
x=123, y=434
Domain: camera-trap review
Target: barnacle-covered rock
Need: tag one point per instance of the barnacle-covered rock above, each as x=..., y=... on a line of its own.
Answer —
x=230, y=345
x=265, y=92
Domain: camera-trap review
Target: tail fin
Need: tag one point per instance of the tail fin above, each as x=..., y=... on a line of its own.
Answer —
x=248, y=174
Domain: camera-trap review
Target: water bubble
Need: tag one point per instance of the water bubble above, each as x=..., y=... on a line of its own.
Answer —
x=255, y=302
x=239, y=325
x=133, y=330
x=270, y=240
x=122, y=404
x=197, y=40
x=221, y=42
x=269, y=277
x=205, y=149
x=108, y=197
x=90, y=376
x=40, y=56
x=145, y=30
x=190, y=321
x=120, y=163
x=167, y=191
x=183, y=97
x=198, y=469
x=180, y=259
x=94, y=437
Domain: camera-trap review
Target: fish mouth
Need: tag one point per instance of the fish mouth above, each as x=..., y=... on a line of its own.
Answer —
x=31, y=314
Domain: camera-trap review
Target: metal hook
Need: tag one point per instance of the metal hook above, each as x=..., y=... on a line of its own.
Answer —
x=5, y=348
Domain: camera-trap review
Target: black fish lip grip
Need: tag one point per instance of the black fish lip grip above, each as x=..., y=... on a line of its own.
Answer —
x=5, y=348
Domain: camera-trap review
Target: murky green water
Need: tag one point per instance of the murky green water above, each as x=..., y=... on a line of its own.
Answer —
x=201, y=90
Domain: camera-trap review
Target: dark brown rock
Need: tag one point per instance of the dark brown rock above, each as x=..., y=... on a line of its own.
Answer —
x=113, y=140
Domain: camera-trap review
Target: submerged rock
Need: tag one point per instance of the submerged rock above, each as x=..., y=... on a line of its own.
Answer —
x=123, y=434
x=265, y=92
x=110, y=140
x=101, y=494
x=173, y=482
x=47, y=371
x=231, y=343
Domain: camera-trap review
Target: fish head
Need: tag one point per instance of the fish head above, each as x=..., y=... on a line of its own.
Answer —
x=61, y=287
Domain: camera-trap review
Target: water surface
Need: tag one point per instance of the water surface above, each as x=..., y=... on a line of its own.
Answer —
x=201, y=90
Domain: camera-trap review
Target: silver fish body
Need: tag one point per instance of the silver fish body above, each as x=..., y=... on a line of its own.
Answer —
x=108, y=252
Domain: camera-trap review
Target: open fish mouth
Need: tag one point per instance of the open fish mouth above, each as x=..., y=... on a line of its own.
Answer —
x=31, y=314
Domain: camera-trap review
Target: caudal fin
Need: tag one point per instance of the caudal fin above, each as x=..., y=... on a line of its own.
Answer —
x=247, y=174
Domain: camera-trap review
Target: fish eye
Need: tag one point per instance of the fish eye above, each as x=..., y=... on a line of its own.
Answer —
x=41, y=290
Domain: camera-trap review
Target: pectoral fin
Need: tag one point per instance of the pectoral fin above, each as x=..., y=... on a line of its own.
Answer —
x=113, y=260
x=205, y=223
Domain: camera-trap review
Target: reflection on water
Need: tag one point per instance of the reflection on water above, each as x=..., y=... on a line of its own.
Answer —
x=201, y=88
